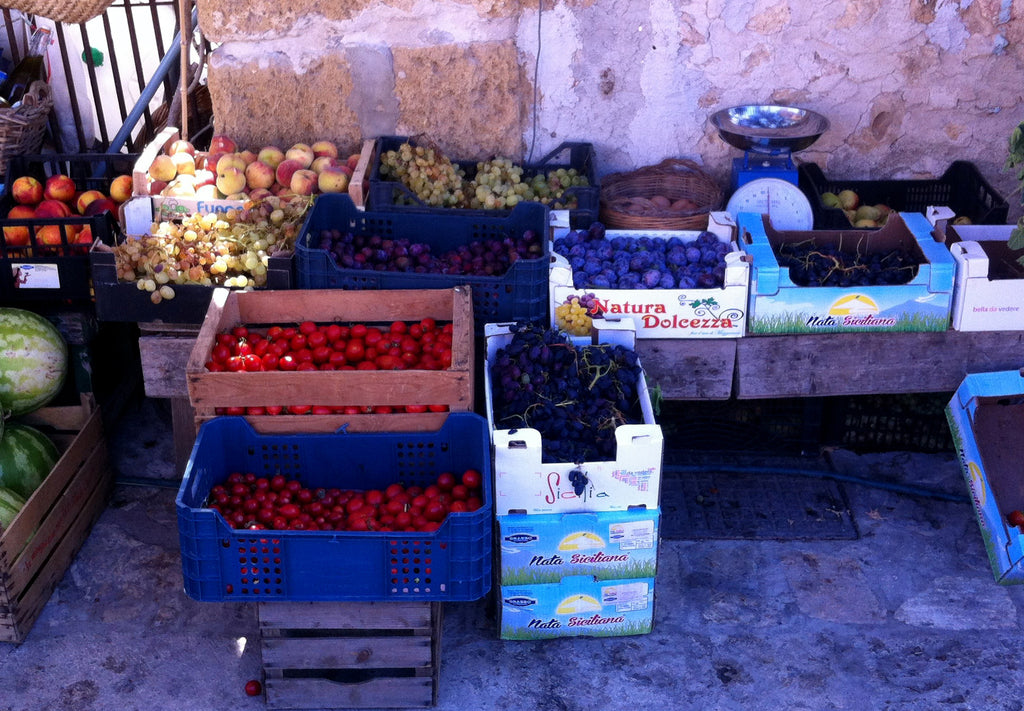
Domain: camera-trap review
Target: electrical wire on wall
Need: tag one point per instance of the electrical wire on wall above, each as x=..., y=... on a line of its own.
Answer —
x=536, y=80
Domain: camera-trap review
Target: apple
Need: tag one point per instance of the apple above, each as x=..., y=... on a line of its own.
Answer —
x=184, y=163
x=59, y=187
x=181, y=146
x=26, y=190
x=162, y=168
x=332, y=179
x=324, y=148
x=231, y=180
x=259, y=175
x=302, y=153
x=121, y=188
x=103, y=204
x=222, y=144
x=53, y=208
x=271, y=155
x=18, y=235
x=83, y=199
x=303, y=182
x=285, y=169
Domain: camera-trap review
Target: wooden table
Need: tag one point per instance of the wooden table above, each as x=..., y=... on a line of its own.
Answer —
x=751, y=367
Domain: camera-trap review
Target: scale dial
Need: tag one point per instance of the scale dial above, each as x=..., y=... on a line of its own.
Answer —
x=784, y=203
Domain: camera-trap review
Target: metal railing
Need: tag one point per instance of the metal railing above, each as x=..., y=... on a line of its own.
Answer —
x=115, y=77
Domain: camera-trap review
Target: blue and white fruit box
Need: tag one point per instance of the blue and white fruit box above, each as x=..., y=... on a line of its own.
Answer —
x=986, y=417
x=606, y=545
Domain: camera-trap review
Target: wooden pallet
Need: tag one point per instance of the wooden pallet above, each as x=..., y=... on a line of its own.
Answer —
x=39, y=545
x=342, y=655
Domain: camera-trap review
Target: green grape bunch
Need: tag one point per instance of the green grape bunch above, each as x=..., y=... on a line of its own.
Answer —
x=1015, y=162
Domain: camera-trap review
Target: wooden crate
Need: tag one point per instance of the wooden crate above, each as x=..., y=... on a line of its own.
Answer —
x=39, y=545
x=452, y=387
x=350, y=654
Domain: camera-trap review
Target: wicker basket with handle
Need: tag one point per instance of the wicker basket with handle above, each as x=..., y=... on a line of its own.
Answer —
x=675, y=194
x=22, y=127
x=70, y=12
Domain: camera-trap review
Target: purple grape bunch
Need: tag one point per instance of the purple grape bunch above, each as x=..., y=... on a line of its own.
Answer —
x=491, y=256
x=575, y=396
x=629, y=262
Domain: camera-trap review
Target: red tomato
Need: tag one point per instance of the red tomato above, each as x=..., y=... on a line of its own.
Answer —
x=297, y=341
x=394, y=490
x=316, y=339
x=243, y=348
x=435, y=511
x=332, y=332
x=437, y=408
x=299, y=409
x=354, y=350
x=458, y=507
x=306, y=365
x=374, y=497
x=253, y=687
x=398, y=327
x=416, y=408
x=215, y=367
x=1015, y=518
x=445, y=481
x=373, y=336
x=274, y=332
x=234, y=410
x=337, y=358
x=366, y=365
x=321, y=410
x=321, y=354
x=235, y=363
x=460, y=492
x=252, y=363
x=472, y=479
x=357, y=330
x=287, y=362
x=239, y=331
x=428, y=324
x=274, y=409
x=220, y=353
x=473, y=503
x=255, y=411
x=307, y=327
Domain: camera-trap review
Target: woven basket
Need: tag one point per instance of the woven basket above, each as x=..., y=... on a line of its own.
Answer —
x=22, y=128
x=71, y=12
x=626, y=198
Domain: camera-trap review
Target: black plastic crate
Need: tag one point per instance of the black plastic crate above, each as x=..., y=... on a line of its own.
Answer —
x=961, y=188
x=520, y=294
x=913, y=422
x=55, y=272
x=124, y=301
x=387, y=194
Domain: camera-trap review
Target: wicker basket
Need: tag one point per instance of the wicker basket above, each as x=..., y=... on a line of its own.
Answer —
x=22, y=128
x=70, y=12
x=626, y=198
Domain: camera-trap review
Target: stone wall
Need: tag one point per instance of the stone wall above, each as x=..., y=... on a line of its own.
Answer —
x=907, y=86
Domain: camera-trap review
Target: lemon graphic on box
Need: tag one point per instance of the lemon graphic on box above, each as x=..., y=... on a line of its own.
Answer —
x=581, y=540
x=978, y=481
x=853, y=305
x=576, y=604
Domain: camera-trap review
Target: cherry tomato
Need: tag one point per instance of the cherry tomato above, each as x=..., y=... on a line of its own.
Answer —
x=472, y=479
x=253, y=687
x=354, y=350
x=307, y=327
x=445, y=481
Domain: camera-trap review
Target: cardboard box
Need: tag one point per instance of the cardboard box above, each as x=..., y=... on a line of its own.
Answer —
x=259, y=309
x=578, y=606
x=526, y=484
x=607, y=545
x=46, y=535
x=986, y=416
x=779, y=305
x=719, y=312
x=989, y=291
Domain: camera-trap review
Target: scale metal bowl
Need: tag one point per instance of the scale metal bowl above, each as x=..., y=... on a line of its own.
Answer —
x=769, y=128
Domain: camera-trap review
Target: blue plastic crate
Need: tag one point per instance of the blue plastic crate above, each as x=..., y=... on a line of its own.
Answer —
x=385, y=194
x=220, y=563
x=520, y=294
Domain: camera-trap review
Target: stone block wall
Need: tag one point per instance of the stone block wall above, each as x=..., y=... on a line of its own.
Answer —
x=907, y=86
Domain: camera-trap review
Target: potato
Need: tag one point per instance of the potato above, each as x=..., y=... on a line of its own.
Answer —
x=661, y=201
x=683, y=205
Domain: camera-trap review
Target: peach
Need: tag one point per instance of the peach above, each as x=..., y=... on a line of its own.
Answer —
x=248, y=156
x=260, y=194
x=18, y=235
x=52, y=208
x=271, y=155
x=321, y=162
x=302, y=153
x=332, y=179
x=181, y=146
x=179, y=188
x=325, y=148
x=184, y=163
x=231, y=160
x=208, y=191
x=60, y=187
x=231, y=180
x=239, y=196
x=205, y=177
x=157, y=187
x=259, y=175
x=51, y=234
x=353, y=161
x=99, y=206
x=285, y=169
x=210, y=161
x=222, y=144
x=121, y=188
x=303, y=182
x=162, y=168
x=83, y=200
x=84, y=237
x=26, y=190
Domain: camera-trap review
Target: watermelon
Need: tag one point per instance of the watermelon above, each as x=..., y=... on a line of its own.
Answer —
x=26, y=457
x=33, y=361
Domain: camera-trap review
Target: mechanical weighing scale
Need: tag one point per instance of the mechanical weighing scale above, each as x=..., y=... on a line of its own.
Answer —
x=765, y=180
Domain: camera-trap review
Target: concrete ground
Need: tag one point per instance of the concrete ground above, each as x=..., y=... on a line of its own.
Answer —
x=908, y=616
